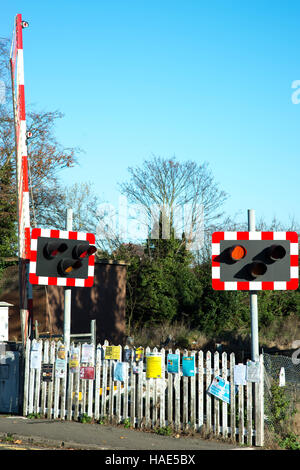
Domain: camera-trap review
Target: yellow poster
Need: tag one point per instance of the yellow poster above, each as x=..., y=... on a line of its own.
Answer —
x=61, y=352
x=74, y=360
x=113, y=352
x=139, y=354
x=153, y=366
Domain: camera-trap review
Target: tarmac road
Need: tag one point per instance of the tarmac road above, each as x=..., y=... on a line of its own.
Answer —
x=75, y=435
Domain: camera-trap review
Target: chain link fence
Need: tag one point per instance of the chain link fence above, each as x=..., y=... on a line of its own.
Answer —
x=282, y=399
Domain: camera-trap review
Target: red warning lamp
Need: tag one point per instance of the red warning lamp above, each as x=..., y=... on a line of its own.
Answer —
x=257, y=269
x=54, y=248
x=83, y=250
x=237, y=252
x=66, y=266
x=276, y=252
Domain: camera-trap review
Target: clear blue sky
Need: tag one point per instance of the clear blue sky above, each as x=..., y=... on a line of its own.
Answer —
x=201, y=80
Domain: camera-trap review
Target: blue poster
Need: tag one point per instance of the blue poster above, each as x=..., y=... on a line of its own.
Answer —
x=220, y=388
x=119, y=371
x=173, y=363
x=188, y=366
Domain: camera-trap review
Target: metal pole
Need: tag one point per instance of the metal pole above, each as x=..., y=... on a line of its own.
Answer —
x=253, y=301
x=67, y=302
x=93, y=332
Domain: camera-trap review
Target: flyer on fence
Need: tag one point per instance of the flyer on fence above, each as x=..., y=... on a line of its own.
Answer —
x=253, y=371
x=239, y=374
x=220, y=388
x=61, y=352
x=113, y=353
x=60, y=368
x=120, y=371
x=188, y=366
x=74, y=360
x=127, y=355
x=154, y=366
x=47, y=372
x=87, y=372
x=87, y=353
x=139, y=354
x=173, y=363
x=36, y=355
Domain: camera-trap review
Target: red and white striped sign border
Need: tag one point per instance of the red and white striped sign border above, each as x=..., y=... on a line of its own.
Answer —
x=60, y=281
x=292, y=284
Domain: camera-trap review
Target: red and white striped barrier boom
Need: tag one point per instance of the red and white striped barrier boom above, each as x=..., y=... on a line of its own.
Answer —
x=17, y=78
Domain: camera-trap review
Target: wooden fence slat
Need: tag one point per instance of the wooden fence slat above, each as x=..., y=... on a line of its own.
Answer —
x=259, y=406
x=177, y=380
x=170, y=397
x=77, y=386
x=193, y=396
x=241, y=413
x=216, y=401
x=111, y=389
x=126, y=393
x=162, y=411
x=208, y=397
x=132, y=393
x=185, y=399
x=200, y=390
x=70, y=394
x=50, y=384
x=44, y=384
x=63, y=381
x=148, y=397
x=37, y=385
x=26, y=376
x=32, y=376
x=140, y=394
x=249, y=387
x=224, y=405
x=57, y=382
x=232, y=398
x=97, y=382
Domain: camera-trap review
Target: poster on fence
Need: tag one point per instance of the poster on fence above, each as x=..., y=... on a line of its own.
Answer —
x=60, y=368
x=47, y=372
x=36, y=355
x=173, y=363
x=120, y=371
x=87, y=372
x=154, y=366
x=253, y=371
x=87, y=353
x=127, y=355
x=188, y=366
x=74, y=360
x=139, y=354
x=61, y=352
x=220, y=388
x=239, y=374
x=113, y=353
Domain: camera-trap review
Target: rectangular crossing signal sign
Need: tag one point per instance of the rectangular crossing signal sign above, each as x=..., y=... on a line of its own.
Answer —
x=255, y=261
x=62, y=258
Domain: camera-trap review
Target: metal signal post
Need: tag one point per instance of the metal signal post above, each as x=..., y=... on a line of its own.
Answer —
x=67, y=299
x=253, y=302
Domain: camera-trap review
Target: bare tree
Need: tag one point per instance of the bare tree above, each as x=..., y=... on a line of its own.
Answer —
x=184, y=192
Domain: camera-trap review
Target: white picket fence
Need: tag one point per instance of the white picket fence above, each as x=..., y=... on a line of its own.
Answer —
x=174, y=400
